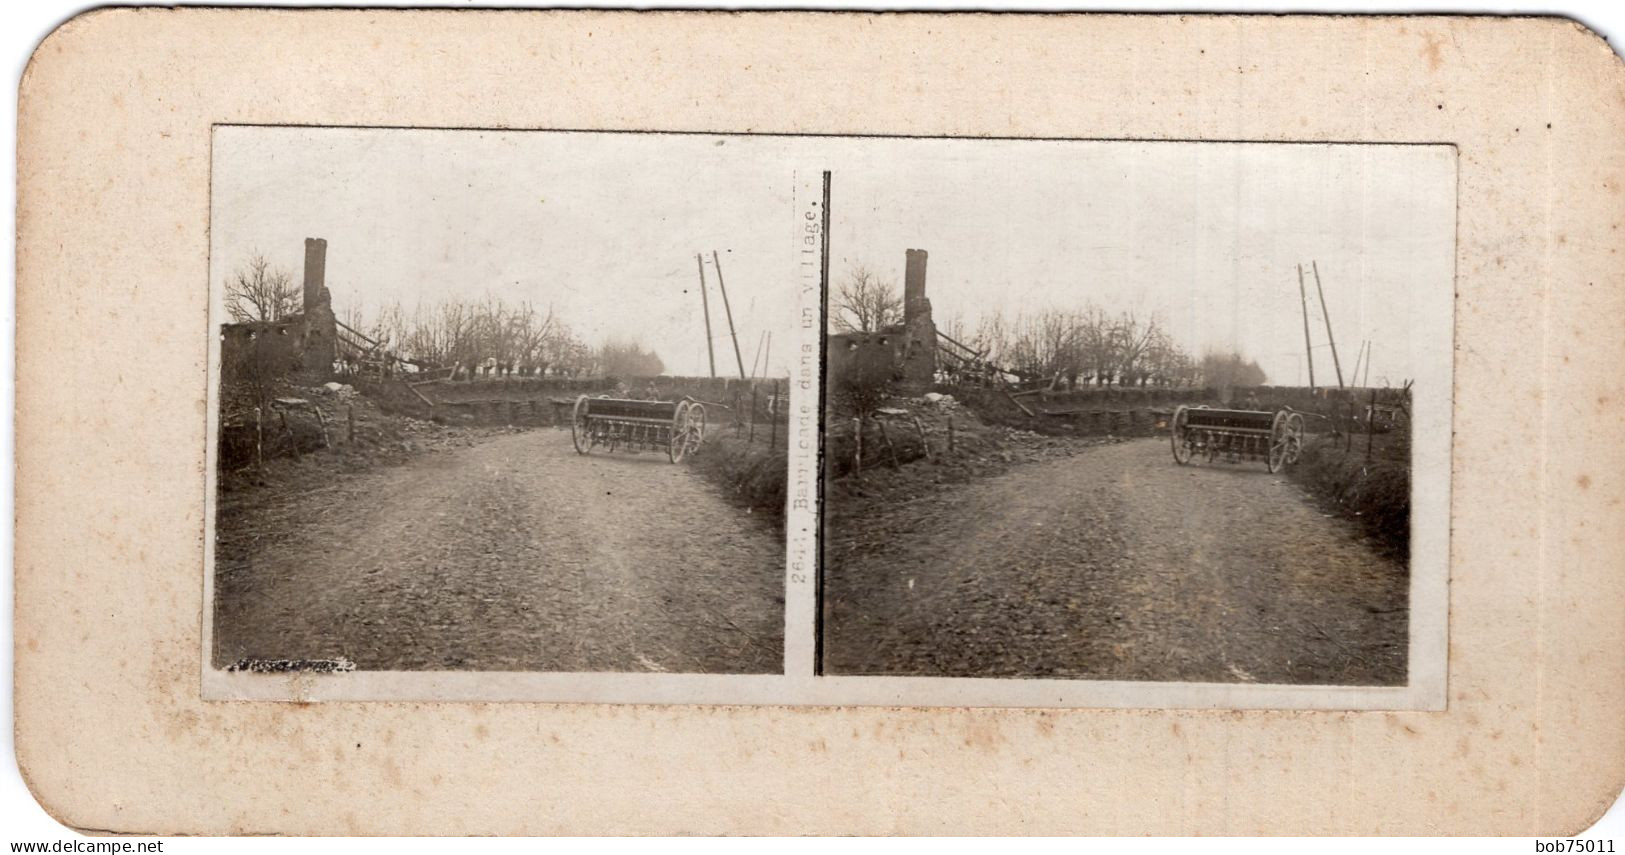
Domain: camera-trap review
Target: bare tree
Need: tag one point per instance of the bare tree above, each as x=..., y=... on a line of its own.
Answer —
x=953, y=325
x=1096, y=354
x=993, y=334
x=1166, y=364
x=259, y=292
x=865, y=303
x=1044, y=345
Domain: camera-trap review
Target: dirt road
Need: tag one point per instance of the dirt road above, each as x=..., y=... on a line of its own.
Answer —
x=1115, y=564
x=513, y=554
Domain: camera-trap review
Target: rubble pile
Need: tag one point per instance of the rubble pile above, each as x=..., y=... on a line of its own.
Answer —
x=907, y=449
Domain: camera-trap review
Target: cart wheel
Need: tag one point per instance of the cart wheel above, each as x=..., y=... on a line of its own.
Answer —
x=1177, y=435
x=696, y=420
x=677, y=444
x=696, y=424
x=1294, y=432
x=1286, y=440
x=580, y=428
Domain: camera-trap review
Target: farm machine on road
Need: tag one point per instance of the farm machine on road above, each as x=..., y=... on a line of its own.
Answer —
x=1275, y=437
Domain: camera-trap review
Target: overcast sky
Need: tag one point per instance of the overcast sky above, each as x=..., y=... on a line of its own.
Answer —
x=604, y=228
x=1206, y=236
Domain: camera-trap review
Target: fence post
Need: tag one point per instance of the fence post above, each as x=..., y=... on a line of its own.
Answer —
x=924, y=443
x=259, y=438
x=857, y=446
x=773, y=418
x=950, y=434
x=322, y=423
x=886, y=438
x=350, y=418
x=1370, y=424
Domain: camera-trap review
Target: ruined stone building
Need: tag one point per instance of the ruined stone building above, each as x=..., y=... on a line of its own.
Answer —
x=301, y=345
x=905, y=353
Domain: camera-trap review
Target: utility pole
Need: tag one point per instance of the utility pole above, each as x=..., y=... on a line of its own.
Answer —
x=1355, y=375
x=1326, y=313
x=757, y=359
x=724, y=289
x=705, y=306
x=1308, y=349
x=767, y=354
x=1367, y=380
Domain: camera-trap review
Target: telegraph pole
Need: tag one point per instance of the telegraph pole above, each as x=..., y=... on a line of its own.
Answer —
x=1327, y=315
x=757, y=359
x=724, y=289
x=1308, y=349
x=1358, y=357
x=705, y=306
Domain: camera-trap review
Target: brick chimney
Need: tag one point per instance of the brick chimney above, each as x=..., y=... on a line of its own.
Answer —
x=919, y=366
x=321, y=325
x=315, y=272
x=914, y=300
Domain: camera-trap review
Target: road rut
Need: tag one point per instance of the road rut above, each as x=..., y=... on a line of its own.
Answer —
x=1116, y=563
x=514, y=554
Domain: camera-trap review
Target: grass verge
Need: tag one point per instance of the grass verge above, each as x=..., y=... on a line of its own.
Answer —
x=750, y=473
x=1374, y=492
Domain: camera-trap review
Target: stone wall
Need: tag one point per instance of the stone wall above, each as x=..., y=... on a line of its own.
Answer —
x=299, y=347
x=905, y=353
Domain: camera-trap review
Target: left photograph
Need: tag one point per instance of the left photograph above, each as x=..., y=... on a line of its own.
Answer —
x=497, y=401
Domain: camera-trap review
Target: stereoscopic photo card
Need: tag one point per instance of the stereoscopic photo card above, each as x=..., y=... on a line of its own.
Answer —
x=744, y=423
x=1083, y=454
x=472, y=433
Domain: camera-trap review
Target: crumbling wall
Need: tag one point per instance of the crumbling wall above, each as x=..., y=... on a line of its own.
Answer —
x=300, y=347
x=918, y=367
x=321, y=325
x=259, y=351
x=866, y=353
x=904, y=354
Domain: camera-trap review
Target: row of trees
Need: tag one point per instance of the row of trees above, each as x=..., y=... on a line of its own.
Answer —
x=489, y=333
x=510, y=338
x=1087, y=346
x=1094, y=347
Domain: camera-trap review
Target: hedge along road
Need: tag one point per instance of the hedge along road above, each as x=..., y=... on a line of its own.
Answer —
x=513, y=554
x=1118, y=564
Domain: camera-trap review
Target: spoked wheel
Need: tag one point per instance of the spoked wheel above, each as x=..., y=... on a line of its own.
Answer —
x=580, y=430
x=687, y=430
x=1177, y=435
x=1286, y=440
x=677, y=445
x=1295, y=434
x=696, y=421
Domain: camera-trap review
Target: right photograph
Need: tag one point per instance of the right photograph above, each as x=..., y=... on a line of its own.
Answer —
x=1133, y=411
